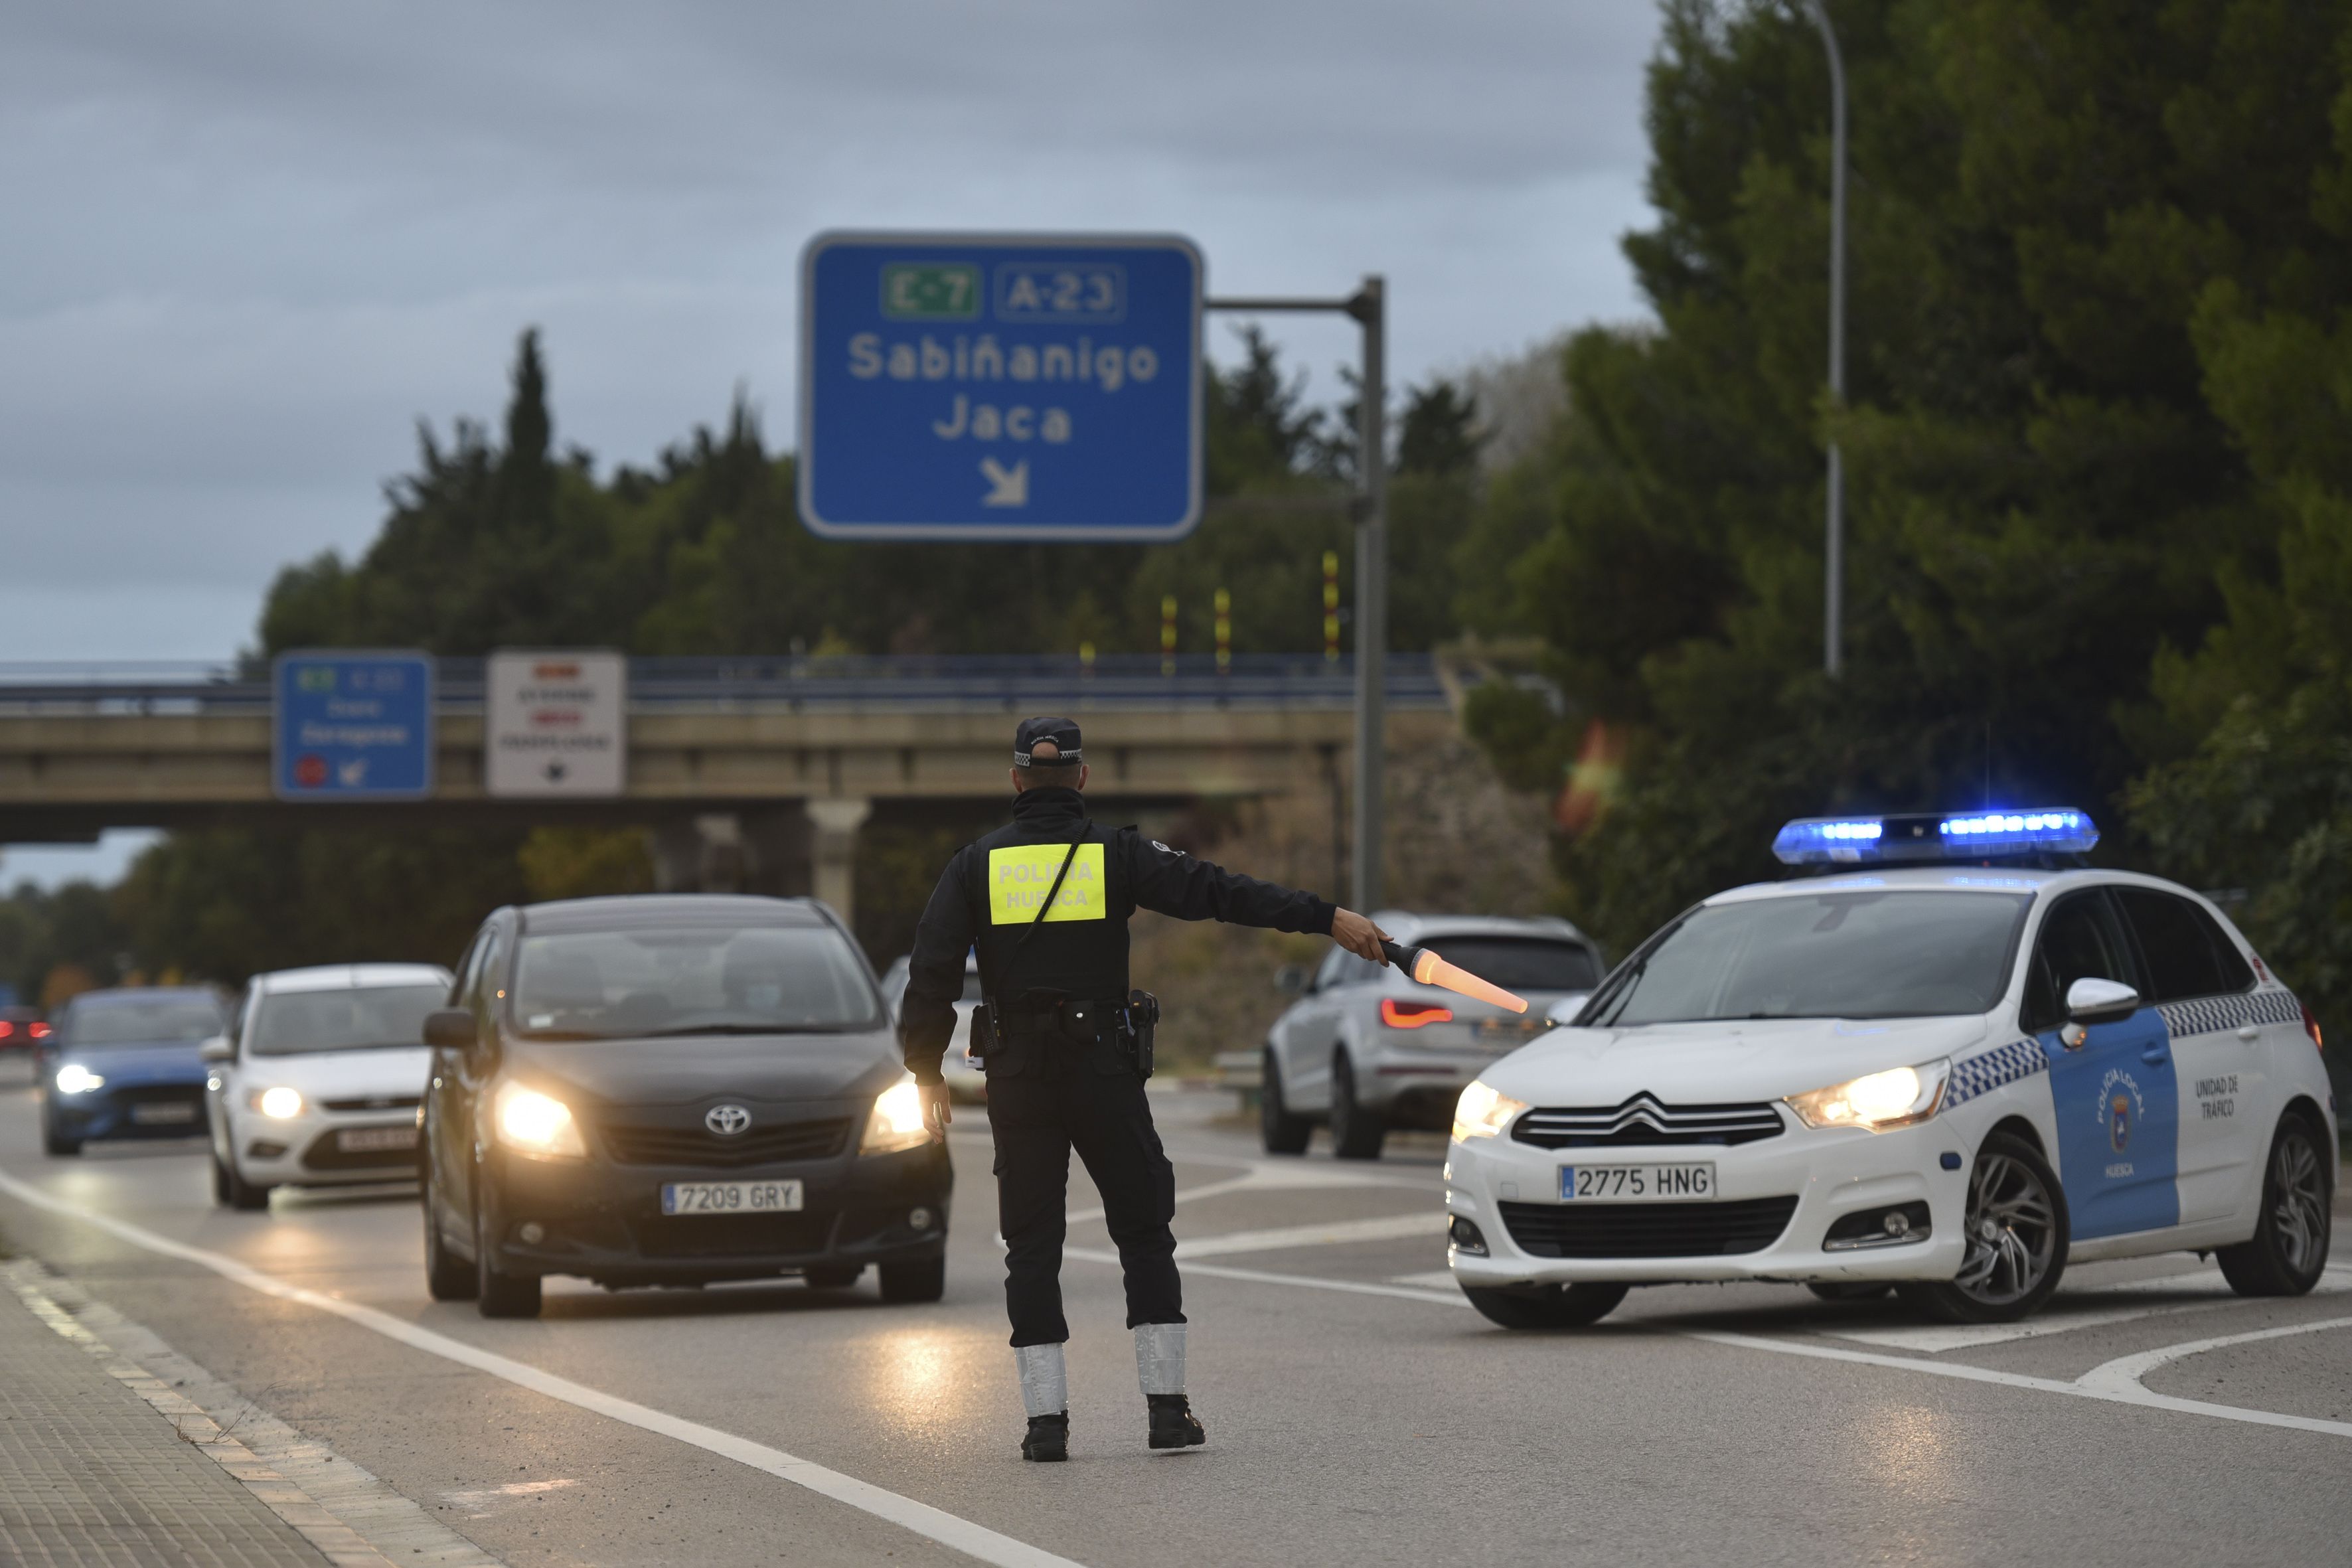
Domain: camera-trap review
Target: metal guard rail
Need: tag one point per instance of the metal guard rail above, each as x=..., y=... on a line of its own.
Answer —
x=942, y=683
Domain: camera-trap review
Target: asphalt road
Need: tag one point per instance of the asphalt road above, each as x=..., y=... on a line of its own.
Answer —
x=1358, y=1412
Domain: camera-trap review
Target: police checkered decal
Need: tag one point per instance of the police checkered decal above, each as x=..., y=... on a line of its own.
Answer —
x=2214, y=1014
x=1988, y=1070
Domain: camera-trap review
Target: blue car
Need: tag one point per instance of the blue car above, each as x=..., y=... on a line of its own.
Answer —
x=128, y=1063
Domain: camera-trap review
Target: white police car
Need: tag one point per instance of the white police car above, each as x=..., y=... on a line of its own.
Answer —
x=1951, y=1063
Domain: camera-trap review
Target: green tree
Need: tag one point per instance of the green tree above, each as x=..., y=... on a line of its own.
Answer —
x=2044, y=496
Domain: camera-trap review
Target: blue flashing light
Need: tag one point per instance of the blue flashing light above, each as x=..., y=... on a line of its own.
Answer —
x=1847, y=840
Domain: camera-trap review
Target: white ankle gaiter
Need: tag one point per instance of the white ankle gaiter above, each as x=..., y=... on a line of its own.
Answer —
x=1045, y=1385
x=1159, y=1357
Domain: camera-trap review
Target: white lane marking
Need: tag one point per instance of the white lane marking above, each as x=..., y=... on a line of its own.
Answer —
x=2206, y=1285
x=2124, y=1394
x=919, y=1518
x=476, y=1503
x=1271, y=1175
x=1435, y=1279
x=1296, y=1281
x=2114, y=1391
x=1428, y=1223
x=2125, y=1372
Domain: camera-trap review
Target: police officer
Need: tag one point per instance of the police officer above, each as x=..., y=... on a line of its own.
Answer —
x=1046, y=901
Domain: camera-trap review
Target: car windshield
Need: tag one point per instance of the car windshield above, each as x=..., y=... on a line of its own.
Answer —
x=1827, y=955
x=1520, y=964
x=161, y=1020
x=290, y=1023
x=692, y=979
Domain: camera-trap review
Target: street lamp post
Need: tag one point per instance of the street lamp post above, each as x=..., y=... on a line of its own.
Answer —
x=1833, y=628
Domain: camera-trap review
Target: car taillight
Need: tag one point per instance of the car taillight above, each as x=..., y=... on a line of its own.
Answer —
x=1399, y=1014
x=8, y=1029
x=40, y=1031
x=2311, y=1027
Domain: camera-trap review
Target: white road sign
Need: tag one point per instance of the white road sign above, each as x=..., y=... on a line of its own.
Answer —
x=557, y=724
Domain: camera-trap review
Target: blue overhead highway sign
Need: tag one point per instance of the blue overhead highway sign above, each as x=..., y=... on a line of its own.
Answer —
x=1000, y=386
x=353, y=726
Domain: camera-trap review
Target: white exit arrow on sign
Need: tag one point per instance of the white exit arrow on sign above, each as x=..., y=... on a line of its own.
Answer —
x=1010, y=486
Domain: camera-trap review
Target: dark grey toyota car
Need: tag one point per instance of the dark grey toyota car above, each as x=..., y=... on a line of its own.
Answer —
x=673, y=1089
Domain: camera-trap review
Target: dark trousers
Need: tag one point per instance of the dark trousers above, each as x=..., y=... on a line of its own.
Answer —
x=1063, y=1102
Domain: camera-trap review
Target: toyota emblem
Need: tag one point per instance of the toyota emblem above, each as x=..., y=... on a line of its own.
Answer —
x=727, y=1121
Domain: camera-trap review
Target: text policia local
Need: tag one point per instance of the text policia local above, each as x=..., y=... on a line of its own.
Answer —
x=1107, y=367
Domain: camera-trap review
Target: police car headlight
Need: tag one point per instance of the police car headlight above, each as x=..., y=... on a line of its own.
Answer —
x=533, y=1124
x=897, y=1121
x=1879, y=1102
x=1481, y=1112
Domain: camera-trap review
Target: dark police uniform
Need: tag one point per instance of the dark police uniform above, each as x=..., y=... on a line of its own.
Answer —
x=1062, y=1076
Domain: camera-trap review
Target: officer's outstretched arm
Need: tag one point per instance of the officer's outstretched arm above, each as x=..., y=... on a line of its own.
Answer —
x=1170, y=883
x=935, y=975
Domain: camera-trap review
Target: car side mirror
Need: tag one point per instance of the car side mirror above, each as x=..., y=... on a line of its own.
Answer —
x=449, y=1028
x=2091, y=1000
x=1291, y=980
x=217, y=1049
x=1564, y=1011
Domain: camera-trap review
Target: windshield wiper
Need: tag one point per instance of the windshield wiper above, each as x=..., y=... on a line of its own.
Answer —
x=743, y=1029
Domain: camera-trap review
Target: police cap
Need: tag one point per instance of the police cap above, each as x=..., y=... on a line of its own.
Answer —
x=1061, y=733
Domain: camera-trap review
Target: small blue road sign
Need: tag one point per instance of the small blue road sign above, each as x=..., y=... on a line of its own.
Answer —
x=1000, y=386
x=353, y=726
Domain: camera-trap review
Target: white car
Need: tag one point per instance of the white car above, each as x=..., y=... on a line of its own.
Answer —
x=965, y=1078
x=1364, y=1050
x=1951, y=1064
x=318, y=1080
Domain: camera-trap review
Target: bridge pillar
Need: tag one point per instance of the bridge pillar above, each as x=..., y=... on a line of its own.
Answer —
x=837, y=821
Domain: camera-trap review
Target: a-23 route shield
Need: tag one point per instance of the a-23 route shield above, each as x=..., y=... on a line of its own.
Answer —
x=1001, y=386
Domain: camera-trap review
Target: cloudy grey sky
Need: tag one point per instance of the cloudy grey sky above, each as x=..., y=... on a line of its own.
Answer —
x=249, y=245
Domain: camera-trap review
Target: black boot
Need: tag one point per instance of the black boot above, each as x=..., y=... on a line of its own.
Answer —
x=1049, y=1439
x=1173, y=1425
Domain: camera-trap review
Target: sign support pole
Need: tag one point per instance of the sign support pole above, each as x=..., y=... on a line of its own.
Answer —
x=1368, y=308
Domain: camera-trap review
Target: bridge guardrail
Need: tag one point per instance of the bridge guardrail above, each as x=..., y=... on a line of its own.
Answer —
x=794, y=682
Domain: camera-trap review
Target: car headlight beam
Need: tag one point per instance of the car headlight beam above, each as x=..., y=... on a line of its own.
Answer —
x=897, y=1121
x=1483, y=1112
x=1878, y=1101
x=535, y=1124
x=280, y=1104
x=75, y=1079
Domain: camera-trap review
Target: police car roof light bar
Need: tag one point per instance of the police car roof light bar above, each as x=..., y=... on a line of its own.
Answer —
x=2039, y=832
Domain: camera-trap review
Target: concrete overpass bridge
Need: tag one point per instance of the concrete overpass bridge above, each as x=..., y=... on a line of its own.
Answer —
x=753, y=773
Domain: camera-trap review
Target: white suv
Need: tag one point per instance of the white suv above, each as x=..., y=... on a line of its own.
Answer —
x=317, y=1081
x=1365, y=1049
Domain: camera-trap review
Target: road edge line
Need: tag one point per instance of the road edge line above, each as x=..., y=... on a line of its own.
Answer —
x=919, y=1517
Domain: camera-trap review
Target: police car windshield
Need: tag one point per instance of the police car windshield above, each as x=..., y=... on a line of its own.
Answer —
x=346, y=1019
x=692, y=979
x=1825, y=955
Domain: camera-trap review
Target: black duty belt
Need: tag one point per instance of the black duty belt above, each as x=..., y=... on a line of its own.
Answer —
x=1068, y=1015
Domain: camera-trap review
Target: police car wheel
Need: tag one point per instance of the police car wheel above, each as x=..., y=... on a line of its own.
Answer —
x=1280, y=1132
x=1849, y=1290
x=2289, y=1247
x=2016, y=1230
x=1356, y=1133
x=1548, y=1305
